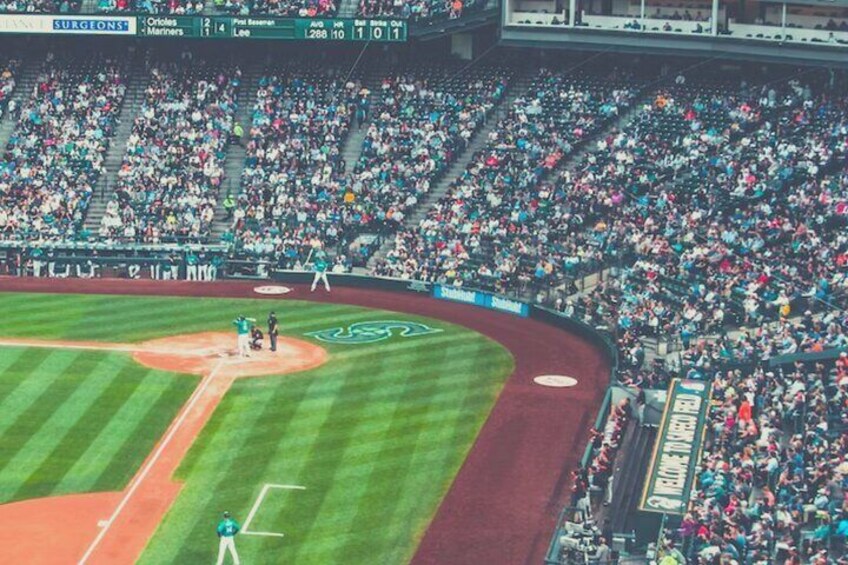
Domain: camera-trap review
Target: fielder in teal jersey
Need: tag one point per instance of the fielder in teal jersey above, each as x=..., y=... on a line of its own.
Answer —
x=320, y=265
x=227, y=530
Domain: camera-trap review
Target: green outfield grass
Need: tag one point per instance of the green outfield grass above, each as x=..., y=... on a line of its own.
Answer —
x=79, y=421
x=376, y=435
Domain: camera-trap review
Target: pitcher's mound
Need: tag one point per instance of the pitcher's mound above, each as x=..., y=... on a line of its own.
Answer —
x=200, y=353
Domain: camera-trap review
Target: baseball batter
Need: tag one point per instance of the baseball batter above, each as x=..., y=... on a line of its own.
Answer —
x=243, y=326
x=227, y=530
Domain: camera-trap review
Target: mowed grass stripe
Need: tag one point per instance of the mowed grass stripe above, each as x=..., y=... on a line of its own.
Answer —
x=102, y=453
x=370, y=421
x=25, y=378
x=333, y=438
x=42, y=395
x=18, y=363
x=25, y=314
x=397, y=533
x=82, y=392
x=387, y=469
x=9, y=358
x=382, y=391
x=365, y=451
x=371, y=526
x=275, y=413
x=94, y=317
x=224, y=417
x=461, y=426
x=104, y=317
x=38, y=429
x=393, y=357
x=322, y=394
x=135, y=446
x=399, y=346
x=72, y=444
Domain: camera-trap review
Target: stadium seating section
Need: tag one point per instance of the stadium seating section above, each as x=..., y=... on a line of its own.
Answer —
x=170, y=177
x=711, y=209
x=55, y=154
x=298, y=189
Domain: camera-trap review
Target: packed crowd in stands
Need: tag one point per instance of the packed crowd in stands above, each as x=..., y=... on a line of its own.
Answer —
x=422, y=120
x=417, y=9
x=284, y=8
x=499, y=211
x=752, y=231
x=170, y=7
x=171, y=174
x=772, y=483
x=55, y=154
x=7, y=86
x=717, y=211
x=718, y=205
x=293, y=183
x=298, y=190
x=39, y=6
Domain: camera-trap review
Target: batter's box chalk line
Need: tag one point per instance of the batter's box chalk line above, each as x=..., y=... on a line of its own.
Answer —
x=265, y=488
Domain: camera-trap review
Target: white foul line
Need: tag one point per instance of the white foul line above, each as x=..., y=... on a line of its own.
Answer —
x=258, y=503
x=152, y=461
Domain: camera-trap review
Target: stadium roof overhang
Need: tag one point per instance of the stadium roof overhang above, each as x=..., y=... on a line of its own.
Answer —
x=440, y=28
x=719, y=47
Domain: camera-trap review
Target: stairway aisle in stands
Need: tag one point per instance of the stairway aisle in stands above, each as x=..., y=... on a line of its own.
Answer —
x=517, y=88
x=106, y=185
x=352, y=147
x=236, y=153
x=24, y=83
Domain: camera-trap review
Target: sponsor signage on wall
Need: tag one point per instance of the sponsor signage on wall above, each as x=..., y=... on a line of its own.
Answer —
x=483, y=299
x=60, y=23
x=677, y=452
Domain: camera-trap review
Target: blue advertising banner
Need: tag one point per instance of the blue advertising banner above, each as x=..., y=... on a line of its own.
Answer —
x=483, y=299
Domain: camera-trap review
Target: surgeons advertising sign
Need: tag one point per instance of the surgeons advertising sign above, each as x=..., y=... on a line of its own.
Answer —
x=677, y=452
x=64, y=24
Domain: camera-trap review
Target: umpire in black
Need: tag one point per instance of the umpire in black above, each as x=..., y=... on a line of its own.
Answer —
x=273, y=330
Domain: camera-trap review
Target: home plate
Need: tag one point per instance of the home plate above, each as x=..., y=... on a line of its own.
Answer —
x=556, y=381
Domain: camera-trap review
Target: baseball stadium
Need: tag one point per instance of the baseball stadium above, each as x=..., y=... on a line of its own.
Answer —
x=442, y=282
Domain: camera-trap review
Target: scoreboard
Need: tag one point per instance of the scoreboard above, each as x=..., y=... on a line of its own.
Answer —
x=239, y=27
x=250, y=27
